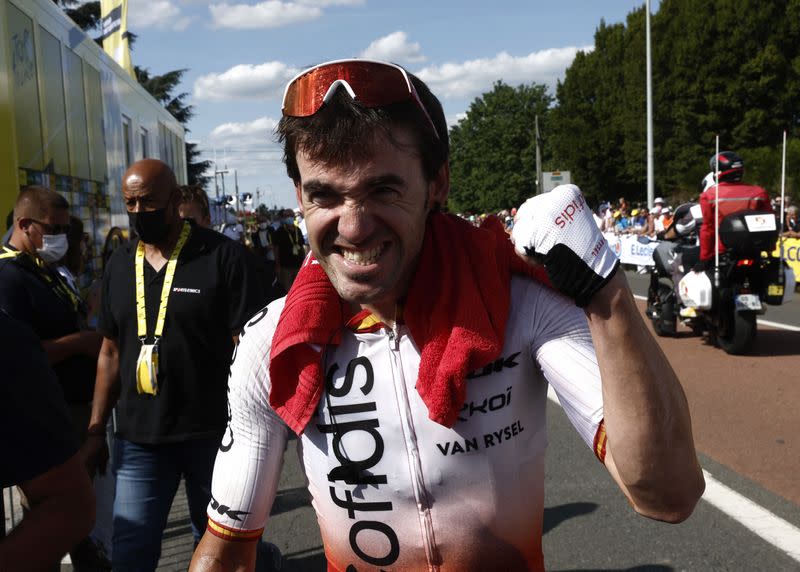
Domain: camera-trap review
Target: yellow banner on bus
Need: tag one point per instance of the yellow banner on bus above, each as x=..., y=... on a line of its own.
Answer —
x=791, y=253
x=114, y=21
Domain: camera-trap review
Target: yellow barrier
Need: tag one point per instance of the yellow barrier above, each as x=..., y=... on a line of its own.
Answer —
x=791, y=253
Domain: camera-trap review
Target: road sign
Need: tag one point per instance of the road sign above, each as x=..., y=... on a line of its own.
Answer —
x=551, y=179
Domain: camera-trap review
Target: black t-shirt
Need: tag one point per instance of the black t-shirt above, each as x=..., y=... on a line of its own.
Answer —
x=38, y=297
x=288, y=240
x=214, y=291
x=37, y=429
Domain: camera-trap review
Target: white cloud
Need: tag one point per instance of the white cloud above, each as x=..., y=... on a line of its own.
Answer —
x=249, y=147
x=271, y=13
x=163, y=14
x=471, y=78
x=245, y=81
x=257, y=132
x=394, y=48
x=326, y=3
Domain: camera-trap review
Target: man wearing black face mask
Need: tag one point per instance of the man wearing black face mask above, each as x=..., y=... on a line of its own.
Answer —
x=172, y=304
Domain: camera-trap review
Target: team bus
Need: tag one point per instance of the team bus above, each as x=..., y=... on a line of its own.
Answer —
x=71, y=119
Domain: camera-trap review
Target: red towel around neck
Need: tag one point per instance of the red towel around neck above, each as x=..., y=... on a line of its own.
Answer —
x=456, y=312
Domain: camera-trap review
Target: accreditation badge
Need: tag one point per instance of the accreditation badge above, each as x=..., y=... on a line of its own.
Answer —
x=147, y=370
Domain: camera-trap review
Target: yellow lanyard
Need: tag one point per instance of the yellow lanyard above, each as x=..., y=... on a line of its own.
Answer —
x=8, y=253
x=56, y=283
x=141, y=316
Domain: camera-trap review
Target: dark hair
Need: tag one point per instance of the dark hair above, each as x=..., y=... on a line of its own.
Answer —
x=195, y=194
x=39, y=201
x=336, y=134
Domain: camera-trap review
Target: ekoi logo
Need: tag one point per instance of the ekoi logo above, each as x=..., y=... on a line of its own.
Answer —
x=352, y=472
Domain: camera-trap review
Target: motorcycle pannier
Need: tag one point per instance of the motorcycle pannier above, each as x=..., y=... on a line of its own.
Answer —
x=695, y=290
x=748, y=233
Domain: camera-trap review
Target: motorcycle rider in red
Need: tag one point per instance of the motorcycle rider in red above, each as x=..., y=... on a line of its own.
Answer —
x=734, y=196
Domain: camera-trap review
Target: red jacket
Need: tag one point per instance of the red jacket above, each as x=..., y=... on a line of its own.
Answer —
x=733, y=197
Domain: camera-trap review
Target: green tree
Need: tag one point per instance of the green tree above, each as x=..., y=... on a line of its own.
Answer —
x=492, y=150
x=162, y=88
x=722, y=67
x=196, y=167
x=598, y=124
x=85, y=15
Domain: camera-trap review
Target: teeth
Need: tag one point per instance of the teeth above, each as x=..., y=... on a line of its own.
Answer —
x=362, y=257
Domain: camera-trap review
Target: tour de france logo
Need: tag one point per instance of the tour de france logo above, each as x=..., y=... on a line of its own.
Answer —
x=22, y=58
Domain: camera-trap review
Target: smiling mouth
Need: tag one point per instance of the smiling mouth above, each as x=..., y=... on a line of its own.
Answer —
x=362, y=257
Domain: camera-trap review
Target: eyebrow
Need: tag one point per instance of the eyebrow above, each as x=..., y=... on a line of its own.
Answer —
x=315, y=185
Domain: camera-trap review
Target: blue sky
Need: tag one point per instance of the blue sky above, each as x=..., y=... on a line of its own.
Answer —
x=240, y=53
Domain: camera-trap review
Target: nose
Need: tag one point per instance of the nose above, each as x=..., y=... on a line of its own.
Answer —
x=356, y=224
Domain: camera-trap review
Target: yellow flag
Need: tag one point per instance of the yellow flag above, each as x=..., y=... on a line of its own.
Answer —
x=114, y=19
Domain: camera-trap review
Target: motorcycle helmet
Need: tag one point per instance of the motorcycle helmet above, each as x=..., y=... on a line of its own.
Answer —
x=731, y=166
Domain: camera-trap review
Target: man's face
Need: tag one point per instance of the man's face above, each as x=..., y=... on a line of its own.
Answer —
x=53, y=222
x=366, y=220
x=142, y=196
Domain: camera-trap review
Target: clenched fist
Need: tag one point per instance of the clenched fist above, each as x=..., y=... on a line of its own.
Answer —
x=558, y=229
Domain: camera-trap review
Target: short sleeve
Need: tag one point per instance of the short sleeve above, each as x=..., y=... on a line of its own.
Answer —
x=562, y=346
x=245, y=291
x=35, y=416
x=106, y=324
x=250, y=458
x=14, y=297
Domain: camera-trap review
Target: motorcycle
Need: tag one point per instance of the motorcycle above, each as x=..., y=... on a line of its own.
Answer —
x=723, y=303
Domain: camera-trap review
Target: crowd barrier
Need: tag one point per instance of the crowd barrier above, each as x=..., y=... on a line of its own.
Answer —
x=791, y=253
x=631, y=251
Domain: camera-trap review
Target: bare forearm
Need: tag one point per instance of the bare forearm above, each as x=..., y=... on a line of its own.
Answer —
x=54, y=525
x=214, y=554
x=646, y=413
x=107, y=386
x=60, y=349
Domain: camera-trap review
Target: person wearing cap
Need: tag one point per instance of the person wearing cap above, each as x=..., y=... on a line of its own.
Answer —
x=413, y=353
x=657, y=216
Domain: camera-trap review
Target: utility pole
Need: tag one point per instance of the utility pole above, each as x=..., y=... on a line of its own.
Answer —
x=216, y=186
x=650, y=183
x=538, y=159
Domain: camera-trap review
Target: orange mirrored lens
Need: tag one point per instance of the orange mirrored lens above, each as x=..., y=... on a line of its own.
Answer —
x=374, y=84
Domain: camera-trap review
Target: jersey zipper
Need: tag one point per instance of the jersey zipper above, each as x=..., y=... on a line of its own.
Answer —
x=415, y=463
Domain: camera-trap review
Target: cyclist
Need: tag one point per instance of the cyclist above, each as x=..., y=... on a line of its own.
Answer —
x=413, y=353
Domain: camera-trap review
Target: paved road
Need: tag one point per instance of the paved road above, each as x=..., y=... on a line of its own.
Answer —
x=747, y=429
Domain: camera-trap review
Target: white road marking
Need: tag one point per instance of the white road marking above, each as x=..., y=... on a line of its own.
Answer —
x=779, y=533
x=767, y=323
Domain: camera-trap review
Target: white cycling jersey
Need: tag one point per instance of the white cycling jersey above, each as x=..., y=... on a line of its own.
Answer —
x=392, y=489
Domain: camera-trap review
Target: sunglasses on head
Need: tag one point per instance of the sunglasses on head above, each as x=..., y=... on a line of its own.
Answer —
x=371, y=83
x=52, y=228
